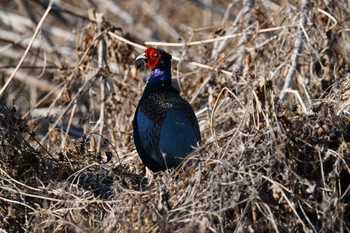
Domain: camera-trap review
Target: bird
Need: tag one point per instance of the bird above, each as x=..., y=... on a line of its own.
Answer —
x=165, y=127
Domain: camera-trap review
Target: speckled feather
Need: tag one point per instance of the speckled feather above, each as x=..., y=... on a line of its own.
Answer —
x=157, y=104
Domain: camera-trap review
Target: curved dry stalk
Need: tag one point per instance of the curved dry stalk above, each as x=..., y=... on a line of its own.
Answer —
x=174, y=57
x=205, y=41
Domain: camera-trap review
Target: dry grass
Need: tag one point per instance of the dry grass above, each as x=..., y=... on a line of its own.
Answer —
x=68, y=163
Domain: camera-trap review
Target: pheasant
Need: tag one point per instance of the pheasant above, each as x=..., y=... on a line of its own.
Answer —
x=165, y=126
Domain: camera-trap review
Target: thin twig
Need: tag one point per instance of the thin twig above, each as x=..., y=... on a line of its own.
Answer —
x=298, y=46
x=296, y=93
x=201, y=42
x=32, y=81
x=28, y=47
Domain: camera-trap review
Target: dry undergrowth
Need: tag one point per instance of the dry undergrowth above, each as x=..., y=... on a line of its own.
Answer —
x=68, y=163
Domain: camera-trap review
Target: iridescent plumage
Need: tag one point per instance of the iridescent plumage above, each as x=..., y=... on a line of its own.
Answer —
x=165, y=127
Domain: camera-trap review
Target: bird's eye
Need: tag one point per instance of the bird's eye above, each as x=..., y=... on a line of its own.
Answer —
x=155, y=54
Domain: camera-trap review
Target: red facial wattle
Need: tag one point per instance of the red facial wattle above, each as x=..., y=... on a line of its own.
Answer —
x=153, y=57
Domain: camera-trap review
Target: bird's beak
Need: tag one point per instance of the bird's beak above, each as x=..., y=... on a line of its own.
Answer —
x=141, y=57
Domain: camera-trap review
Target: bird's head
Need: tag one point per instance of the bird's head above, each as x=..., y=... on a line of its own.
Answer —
x=156, y=58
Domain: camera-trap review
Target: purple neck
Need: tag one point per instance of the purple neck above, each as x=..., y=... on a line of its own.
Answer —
x=158, y=76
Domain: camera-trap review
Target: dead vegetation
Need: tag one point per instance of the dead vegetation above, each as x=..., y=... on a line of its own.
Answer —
x=269, y=81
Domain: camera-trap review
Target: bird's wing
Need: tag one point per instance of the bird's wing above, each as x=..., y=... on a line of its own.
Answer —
x=149, y=138
x=186, y=108
x=178, y=137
